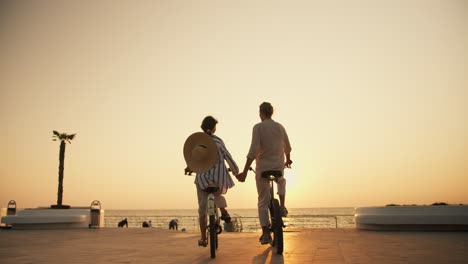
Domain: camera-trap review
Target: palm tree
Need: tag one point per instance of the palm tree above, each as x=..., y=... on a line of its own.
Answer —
x=68, y=138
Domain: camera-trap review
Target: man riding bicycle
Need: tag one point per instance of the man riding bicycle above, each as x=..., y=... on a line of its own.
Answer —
x=270, y=145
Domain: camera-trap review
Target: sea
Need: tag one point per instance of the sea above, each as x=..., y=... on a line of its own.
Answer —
x=243, y=220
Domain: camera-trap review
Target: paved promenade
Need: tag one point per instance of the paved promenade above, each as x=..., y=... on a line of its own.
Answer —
x=138, y=245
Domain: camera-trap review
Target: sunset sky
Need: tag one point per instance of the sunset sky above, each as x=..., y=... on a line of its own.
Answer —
x=373, y=95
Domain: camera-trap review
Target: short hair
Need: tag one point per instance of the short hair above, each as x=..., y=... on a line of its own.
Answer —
x=266, y=109
x=208, y=124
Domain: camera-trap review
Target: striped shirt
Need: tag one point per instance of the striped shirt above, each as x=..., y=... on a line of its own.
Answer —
x=269, y=145
x=219, y=173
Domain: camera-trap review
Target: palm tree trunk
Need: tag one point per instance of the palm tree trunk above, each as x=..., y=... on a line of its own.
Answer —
x=61, y=168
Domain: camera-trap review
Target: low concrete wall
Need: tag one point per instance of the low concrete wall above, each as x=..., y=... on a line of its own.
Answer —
x=442, y=217
x=45, y=218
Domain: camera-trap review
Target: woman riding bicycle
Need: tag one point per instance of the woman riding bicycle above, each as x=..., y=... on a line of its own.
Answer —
x=218, y=175
x=270, y=145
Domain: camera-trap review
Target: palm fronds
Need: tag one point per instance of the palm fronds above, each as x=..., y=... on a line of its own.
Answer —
x=62, y=136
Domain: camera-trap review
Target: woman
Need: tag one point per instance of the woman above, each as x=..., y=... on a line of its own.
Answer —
x=217, y=175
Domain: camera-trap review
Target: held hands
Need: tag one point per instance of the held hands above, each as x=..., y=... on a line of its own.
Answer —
x=241, y=176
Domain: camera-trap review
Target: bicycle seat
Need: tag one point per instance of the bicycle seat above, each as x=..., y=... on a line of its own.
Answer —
x=212, y=188
x=274, y=173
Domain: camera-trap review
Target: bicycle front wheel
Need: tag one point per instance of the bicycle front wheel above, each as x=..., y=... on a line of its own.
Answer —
x=277, y=227
x=213, y=236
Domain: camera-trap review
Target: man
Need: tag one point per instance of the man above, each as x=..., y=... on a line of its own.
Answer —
x=270, y=145
x=123, y=223
x=174, y=224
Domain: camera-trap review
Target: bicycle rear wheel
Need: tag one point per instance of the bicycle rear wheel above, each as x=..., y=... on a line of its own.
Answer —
x=277, y=227
x=213, y=236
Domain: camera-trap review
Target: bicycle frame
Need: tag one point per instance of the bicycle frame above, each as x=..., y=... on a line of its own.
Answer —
x=213, y=228
x=272, y=189
x=211, y=206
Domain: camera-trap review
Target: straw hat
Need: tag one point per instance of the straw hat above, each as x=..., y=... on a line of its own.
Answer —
x=200, y=152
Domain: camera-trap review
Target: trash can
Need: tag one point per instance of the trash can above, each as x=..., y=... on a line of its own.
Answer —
x=11, y=208
x=95, y=214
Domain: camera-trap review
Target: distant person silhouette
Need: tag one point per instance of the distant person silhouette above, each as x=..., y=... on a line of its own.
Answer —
x=173, y=224
x=147, y=224
x=123, y=223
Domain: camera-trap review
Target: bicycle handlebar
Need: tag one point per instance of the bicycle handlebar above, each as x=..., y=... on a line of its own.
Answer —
x=188, y=172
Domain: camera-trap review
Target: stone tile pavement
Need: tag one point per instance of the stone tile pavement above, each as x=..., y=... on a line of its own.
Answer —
x=141, y=245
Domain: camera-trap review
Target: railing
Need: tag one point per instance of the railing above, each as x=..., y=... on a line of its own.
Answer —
x=306, y=221
x=243, y=224
x=335, y=217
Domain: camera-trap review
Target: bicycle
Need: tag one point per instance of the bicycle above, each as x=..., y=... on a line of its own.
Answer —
x=213, y=227
x=276, y=223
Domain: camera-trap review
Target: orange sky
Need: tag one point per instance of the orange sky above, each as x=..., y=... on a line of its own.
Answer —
x=372, y=93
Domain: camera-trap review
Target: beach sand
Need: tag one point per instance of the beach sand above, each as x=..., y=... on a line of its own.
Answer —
x=151, y=245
